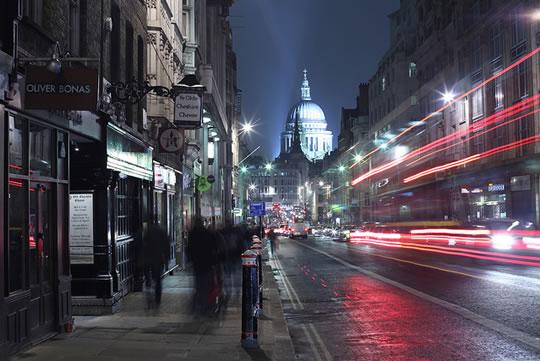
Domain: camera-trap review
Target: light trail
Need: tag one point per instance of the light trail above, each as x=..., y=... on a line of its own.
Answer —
x=473, y=137
x=510, y=111
x=450, y=103
x=473, y=158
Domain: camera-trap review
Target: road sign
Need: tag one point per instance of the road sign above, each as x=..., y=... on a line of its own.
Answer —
x=257, y=209
x=171, y=140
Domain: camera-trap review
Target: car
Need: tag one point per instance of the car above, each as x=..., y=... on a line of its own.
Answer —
x=299, y=229
x=510, y=234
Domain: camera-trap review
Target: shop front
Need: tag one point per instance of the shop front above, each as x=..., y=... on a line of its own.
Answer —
x=35, y=301
x=117, y=176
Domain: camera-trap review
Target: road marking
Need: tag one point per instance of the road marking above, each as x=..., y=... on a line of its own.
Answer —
x=493, y=325
x=296, y=303
x=327, y=354
x=288, y=282
x=312, y=344
x=287, y=291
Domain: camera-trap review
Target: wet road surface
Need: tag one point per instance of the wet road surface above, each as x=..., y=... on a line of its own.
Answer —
x=355, y=302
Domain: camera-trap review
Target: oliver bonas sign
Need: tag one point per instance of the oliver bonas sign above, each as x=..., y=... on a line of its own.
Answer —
x=75, y=88
x=187, y=110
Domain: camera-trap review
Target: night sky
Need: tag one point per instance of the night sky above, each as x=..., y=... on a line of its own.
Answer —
x=338, y=41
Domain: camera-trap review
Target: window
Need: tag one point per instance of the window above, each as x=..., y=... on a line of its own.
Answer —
x=74, y=30
x=17, y=145
x=42, y=150
x=125, y=207
x=115, y=44
x=17, y=232
x=476, y=55
x=129, y=68
x=477, y=99
x=518, y=28
x=412, y=69
x=496, y=42
x=520, y=81
x=498, y=93
x=383, y=83
x=33, y=10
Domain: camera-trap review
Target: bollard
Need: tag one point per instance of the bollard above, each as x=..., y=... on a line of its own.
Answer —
x=257, y=246
x=250, y=286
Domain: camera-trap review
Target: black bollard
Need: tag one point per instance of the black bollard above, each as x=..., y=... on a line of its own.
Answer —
x=257, y=247
x=250, y=286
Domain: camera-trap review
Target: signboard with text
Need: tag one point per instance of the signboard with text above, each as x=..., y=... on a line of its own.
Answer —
x=81, y=228
x=188, y=110
x=257, y=209
x=75, y=88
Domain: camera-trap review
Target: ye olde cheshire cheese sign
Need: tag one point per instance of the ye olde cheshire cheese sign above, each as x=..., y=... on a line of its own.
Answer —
x=187, y=110
x=72, y=89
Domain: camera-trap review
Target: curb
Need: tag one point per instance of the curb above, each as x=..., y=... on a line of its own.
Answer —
x=283, y=349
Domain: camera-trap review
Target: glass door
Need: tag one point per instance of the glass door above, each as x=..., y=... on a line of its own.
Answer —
x=41, y=236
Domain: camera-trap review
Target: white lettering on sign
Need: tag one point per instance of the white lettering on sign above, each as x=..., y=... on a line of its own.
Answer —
x=81, y=228
x=187, y=109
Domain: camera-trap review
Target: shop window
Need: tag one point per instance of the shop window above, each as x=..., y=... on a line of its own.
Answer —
x=126, y=207
x=17, y=233
x=17, y=145
x=41, y=150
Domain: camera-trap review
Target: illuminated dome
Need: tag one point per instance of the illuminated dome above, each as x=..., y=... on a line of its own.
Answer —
x=309, y=115
x=316, y=140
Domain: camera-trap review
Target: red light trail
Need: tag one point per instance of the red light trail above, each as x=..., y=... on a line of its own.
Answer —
x=474, y=136
x=472, y=158
x=441, y=109
x=508, y=112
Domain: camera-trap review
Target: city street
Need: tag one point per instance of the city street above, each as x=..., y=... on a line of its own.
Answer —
x=350, y=302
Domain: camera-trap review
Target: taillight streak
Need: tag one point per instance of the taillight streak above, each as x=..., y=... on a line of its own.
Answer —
x=450, y=103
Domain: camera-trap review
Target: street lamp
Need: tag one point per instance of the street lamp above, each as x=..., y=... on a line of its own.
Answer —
x=535, y=16
x=341, y=168
x=268, y=166
x=246, y=128
x=448, y=96
x=252, y=187
x=243, y=169
x=400, y=151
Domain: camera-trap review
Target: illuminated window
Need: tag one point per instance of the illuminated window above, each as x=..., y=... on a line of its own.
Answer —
x=498, y=93
x=477, y=99
x=412, y=69
x=383, y=83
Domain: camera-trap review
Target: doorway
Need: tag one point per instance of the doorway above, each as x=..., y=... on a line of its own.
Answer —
x=41, y=251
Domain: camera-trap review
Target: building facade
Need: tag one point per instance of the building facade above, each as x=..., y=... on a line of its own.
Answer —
x=474, y=109
x=82, y=181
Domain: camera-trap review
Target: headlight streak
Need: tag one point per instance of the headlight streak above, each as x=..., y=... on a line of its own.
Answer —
x=447, y=105
x=510, y=111
x=475, y=157
x=375, y=238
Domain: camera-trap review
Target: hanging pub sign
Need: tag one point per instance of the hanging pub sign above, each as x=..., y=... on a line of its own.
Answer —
x=171, y=140
x=188, y=110
x=74, y=88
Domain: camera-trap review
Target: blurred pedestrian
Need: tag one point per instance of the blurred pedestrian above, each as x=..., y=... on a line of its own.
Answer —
x=201, y=255
x=156, y=254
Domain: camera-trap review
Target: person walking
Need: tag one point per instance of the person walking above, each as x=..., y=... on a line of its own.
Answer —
x=156, y=254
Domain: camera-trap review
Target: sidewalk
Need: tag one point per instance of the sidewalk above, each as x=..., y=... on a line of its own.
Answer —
x=170, y=333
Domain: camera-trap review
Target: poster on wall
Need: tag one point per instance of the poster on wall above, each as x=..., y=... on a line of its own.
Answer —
x=81, y=228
